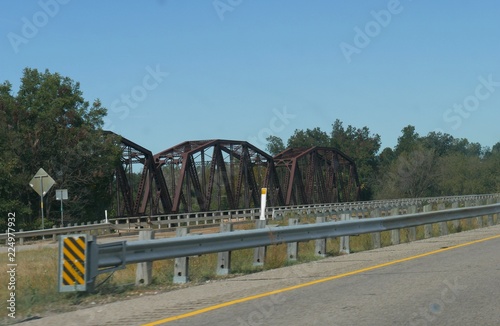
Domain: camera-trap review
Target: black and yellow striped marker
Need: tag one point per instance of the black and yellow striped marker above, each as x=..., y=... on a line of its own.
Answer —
x=72, y=263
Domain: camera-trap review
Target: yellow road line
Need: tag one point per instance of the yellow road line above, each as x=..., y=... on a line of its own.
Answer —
x=326, y=279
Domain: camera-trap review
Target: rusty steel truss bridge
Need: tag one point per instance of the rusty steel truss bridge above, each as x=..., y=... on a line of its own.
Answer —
x=208, y=175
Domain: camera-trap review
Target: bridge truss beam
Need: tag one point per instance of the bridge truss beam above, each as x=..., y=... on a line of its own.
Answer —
x=217, y=174
x=317, y=175
x=133, y=193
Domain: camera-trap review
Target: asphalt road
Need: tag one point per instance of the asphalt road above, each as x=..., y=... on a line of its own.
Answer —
x=456, y=287
x=451, y=280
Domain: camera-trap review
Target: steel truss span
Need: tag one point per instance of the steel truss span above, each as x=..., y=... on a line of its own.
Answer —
x=132, y=191
x=317, y=175
x=208, y=175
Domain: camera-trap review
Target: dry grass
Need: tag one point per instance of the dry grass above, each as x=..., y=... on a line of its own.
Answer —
x=36, y=288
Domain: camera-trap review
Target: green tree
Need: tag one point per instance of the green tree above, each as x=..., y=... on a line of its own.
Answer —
x=274, y=145
x=410, y=175
x=12, y=198
x=442, y=144
x=50, y=125
x=386, y=157
x=492, y=166
x=408, y=141
x=308, y=138
x=456, y=166
x=362, y=147
x=496, y=148
x=461, y=174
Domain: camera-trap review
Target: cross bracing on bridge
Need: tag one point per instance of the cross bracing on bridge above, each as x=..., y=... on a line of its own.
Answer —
x=211, y=175
x=317, y=175
x=215, y=174
x=132, y=194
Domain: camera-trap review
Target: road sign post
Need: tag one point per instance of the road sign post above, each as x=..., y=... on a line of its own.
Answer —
x=62, y=194
x=42, y=187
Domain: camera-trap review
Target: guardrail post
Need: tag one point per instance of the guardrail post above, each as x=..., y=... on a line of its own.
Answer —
x=490, y=201
x=259, y=254
x=395, y=234
x=455, y=223
x=21, y=239
x=54, y=236
x=469, y=220
x=376, y=242
x=320, y=244
x=144, y=272
x=427, y=227
x=181, y=264
x=292, y=249
x=495, y=200
x=224, y=258
x=479, y=219
x=443, y=226
x=412, y=231
x=344, y=243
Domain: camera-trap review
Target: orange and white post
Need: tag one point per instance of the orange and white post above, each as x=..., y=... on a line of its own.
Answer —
x=263, y=204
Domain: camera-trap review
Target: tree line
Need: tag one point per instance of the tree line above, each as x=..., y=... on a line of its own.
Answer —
x=437, y=164
x=48, y=124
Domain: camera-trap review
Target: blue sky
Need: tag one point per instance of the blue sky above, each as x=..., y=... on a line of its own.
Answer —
x=176, y=70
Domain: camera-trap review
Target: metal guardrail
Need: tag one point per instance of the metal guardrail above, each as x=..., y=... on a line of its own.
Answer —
x=56, y=231
x=215, y=217
x=117, y=255
x=189, y=219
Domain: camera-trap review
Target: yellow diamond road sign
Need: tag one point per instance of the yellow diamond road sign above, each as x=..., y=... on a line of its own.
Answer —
x=42, y=182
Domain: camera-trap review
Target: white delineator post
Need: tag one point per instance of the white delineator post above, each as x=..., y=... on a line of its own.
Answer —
x=263, y=204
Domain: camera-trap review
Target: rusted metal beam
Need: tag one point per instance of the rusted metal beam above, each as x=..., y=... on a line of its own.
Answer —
x=135, y=198
x=221, y=174
x=316, y=174
x=226, y=174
